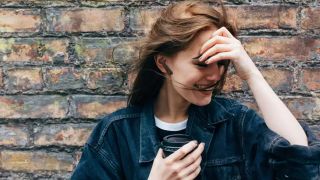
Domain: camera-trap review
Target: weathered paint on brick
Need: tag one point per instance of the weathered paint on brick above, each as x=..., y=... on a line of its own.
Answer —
x=234, y=83
x=264, y=17
x=310, y=79
x=33, y=50
x=143, y=19
x=304, y=107
x=106, y=51
x=279, y=79
x=85, y=20
x=1, y=79
x=20, y=20
x=23, y=79
x=282, y=48
x=97, y=3
x=64, y=78
x=13, y=135
x=35, y=161
x=86, y=106
x=38, y=106
x=110, y=80
x=310, y=18
x=31, y=3
x=63, y=134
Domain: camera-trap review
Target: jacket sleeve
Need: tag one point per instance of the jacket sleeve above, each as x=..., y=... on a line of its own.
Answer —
x=273, y=157
x=95, y=165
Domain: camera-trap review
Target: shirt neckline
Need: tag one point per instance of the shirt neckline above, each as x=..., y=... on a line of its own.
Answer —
x=170, y=126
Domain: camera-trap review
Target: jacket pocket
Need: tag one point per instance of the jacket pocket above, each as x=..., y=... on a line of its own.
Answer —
x=230, y=168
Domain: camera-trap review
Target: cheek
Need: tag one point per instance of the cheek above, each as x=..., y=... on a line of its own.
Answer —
x=188, y=74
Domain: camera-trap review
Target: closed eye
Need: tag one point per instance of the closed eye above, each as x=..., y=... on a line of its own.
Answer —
x=196, y=62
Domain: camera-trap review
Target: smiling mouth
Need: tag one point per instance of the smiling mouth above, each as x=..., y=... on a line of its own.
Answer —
x=204, y=87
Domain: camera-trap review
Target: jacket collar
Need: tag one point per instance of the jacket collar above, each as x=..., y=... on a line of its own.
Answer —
x=201, y=124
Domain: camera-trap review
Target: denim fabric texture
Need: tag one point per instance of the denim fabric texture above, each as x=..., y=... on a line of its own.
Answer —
x=238, y=145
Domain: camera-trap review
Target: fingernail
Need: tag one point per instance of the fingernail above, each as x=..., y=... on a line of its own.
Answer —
x=195, y=143
x=201, y=58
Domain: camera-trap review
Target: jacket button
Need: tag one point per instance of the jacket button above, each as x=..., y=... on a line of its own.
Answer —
x=286, y=176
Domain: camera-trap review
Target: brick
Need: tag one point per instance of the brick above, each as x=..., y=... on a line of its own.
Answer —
x=247, y=17
x=107, y=52
x=63, y=134
x=95, y=3
x=304, y=108
x=316, y=130
x=234, y=83
x=310, y=18
x=40, y=106
x=13, y=135
x=20, y=20
x=36, y=2
x=110, y=80
x=24, y=79
x=33, y=50
x=85, y=20
x=300, y=2
x=35, y=161
x=279, y=79
x=310, y=79
x=282, y=48
x=264, y=17
x=86, y=106
x=64, y=78
x=1, y=79
x=143, y=19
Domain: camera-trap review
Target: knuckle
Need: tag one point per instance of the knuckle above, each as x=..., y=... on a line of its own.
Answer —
x=192, y=159
x=175, y=170
x=183, y=152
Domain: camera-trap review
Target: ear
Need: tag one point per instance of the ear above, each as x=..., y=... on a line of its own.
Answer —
x=160, y=61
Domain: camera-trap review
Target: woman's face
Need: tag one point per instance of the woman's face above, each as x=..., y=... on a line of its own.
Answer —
x=188, y=74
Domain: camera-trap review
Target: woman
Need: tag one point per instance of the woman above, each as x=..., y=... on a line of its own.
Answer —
x=183, y=65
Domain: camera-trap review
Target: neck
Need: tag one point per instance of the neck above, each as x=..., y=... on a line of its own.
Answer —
x=170, y=106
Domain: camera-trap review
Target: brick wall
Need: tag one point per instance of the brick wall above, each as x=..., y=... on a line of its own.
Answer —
x=63, y=66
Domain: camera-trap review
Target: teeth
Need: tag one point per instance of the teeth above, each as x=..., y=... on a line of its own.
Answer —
x=202, y=86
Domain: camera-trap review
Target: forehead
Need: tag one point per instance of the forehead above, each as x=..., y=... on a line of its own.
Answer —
x=200, y=38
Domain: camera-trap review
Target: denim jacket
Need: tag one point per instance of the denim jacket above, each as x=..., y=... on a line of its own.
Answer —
x=238, y=145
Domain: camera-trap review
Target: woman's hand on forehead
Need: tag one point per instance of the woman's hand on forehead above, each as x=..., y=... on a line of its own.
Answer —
x=224, y=46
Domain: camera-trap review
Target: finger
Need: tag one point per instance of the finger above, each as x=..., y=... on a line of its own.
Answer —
x=214, y=50
x=159, y=154
x=220, y=56
x=194, y=174
x=213, y=41
x=190, y=169
x=223, y=31
x=183, y=151
x=190, y=158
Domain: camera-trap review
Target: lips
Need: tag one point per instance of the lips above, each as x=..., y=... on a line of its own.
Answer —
x=205, y=87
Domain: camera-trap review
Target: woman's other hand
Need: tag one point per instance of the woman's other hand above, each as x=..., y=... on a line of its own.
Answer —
x=222, y=46
x=179, y=165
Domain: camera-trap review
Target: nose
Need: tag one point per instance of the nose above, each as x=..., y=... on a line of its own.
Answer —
x=214, y=72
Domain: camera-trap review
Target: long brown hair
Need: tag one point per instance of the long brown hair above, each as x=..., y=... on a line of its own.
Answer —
x=172, y=32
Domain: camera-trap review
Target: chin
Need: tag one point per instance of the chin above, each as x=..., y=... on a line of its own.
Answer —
x=202, y=102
